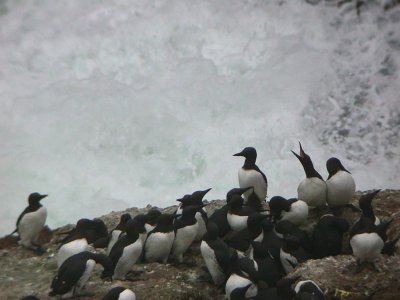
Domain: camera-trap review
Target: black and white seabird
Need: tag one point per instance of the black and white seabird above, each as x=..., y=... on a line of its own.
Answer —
x=312, y=189
x=340, y=184
x=30, y=222
x=216, y=254
x=251, y=175
x=186, y=229
x=127, y=250
x=219, y=217
x=238, y=214
x=75, y=272
x=160, y=239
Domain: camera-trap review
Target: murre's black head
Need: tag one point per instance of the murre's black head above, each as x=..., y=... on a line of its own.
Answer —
x=248, y=152
x=186, y=200
x=333, y=165
x=125, y=218
x=133, y=228
x=152, y=216
x=236, y=191
x=277, y=204
x=251, y=155
x=197, y=196
x=141, y=220
x=189, y=212
x=83, y=224
x=35, y=198
x=306, y=161
x=236, y=202
x=166, y=220
x=365, y=203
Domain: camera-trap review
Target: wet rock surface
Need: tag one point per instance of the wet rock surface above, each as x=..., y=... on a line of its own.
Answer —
x=25, y=273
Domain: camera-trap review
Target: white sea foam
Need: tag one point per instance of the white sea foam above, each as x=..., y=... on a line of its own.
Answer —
x=110, y=104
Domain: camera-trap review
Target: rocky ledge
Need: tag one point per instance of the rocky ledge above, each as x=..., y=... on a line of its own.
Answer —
x=24, y=273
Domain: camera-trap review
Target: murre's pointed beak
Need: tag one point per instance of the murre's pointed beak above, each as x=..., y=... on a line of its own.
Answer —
x=302, y=154
x=206, y=191
x=295, y=154
x=42, y=196
x=238, y=154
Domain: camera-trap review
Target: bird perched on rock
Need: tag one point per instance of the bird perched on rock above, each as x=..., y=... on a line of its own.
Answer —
x=219, y=217
x=216, y=254
x=312, y=189
x=30, y=222
x=186, y=229
x=340, y=184
x=152, y=219
x=127, y=250
x=75, y=272
x=160, y=239
x=251, y=175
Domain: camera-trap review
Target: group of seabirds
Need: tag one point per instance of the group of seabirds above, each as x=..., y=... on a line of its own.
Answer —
x=248, y=245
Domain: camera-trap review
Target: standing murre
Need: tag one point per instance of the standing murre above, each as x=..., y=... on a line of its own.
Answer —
x=340, y=184
x=269, y=270
x=30, y=222
x=312, y=189
x=219, y=217
x=196, y=198
x=160, y=239
x=119, y=293
x=365, y=203
x=216, y=254
x=127, y=250
x=367, y=241
x=75, y=272
x=186, y=229
x=251, y=175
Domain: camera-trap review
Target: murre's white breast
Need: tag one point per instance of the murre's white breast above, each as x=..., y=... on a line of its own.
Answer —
x=297, y=214
x=237, y=222
x=90, y=264
x=340, y=189
x=183, y=239
x=253, y=178
x=367, y=247
x=211, y=262
x=71, y=248
x=312, y=191
x=30, y=226
x=129, y=257
x=158, y=246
